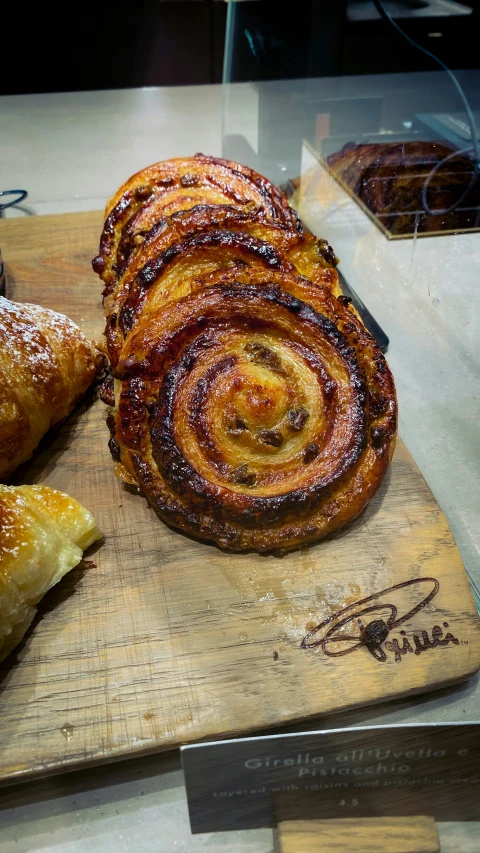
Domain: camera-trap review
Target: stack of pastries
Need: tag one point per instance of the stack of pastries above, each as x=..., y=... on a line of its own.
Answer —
x=246, y=398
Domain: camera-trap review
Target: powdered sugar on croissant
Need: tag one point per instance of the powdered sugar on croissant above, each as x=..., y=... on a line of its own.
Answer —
x=46, y=364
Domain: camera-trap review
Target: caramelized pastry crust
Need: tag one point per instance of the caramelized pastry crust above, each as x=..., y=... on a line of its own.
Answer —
x=183, y=252
x=247, y=400
x=179, y=184
x=256, y=415
x=43, y=534
x=46, y=364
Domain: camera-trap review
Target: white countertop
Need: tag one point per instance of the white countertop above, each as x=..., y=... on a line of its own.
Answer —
x=71, y=151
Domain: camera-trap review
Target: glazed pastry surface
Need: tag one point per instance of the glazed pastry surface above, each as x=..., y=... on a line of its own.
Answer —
x=246, y=398
x=43, y=533
x=46, y=364
x=259, y=416
x=179, y=184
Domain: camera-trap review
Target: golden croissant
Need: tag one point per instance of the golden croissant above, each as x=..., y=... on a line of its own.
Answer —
x=46, y=364
x=43, y=534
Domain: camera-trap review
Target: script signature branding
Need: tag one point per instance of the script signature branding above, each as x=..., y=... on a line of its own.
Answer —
x=347, y=631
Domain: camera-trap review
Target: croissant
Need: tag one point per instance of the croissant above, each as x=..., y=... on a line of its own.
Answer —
x=43, y=534
x=260, y=415
x=46, y=364
x=179, y=184
x=183, y=252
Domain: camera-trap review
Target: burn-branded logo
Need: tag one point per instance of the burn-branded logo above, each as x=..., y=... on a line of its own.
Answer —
x=370, y=624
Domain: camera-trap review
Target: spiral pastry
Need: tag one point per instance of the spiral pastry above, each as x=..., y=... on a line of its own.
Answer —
x=259, y=415
x=184, y=251
x=179, y=184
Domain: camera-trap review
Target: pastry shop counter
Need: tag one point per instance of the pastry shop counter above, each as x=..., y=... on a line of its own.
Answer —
x=70, y=151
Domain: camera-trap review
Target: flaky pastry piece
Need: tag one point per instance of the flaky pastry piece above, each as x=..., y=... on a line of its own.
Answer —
x=184, y=250
x=260, y=416
x=46, y=364
x=43, y=534
x=179, y=184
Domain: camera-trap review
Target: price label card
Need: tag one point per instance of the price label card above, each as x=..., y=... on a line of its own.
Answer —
x=365, y=772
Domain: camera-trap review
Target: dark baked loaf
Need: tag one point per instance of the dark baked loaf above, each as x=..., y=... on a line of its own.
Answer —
x=393, y=178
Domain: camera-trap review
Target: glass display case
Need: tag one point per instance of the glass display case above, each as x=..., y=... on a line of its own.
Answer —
x=375, y=139
x=384, y=167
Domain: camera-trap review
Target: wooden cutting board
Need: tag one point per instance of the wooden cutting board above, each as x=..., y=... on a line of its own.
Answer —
x=166, y=640
x=358, y=835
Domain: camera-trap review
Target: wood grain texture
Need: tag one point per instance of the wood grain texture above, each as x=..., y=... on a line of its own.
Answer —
x=358, y=835
x=167, y=640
